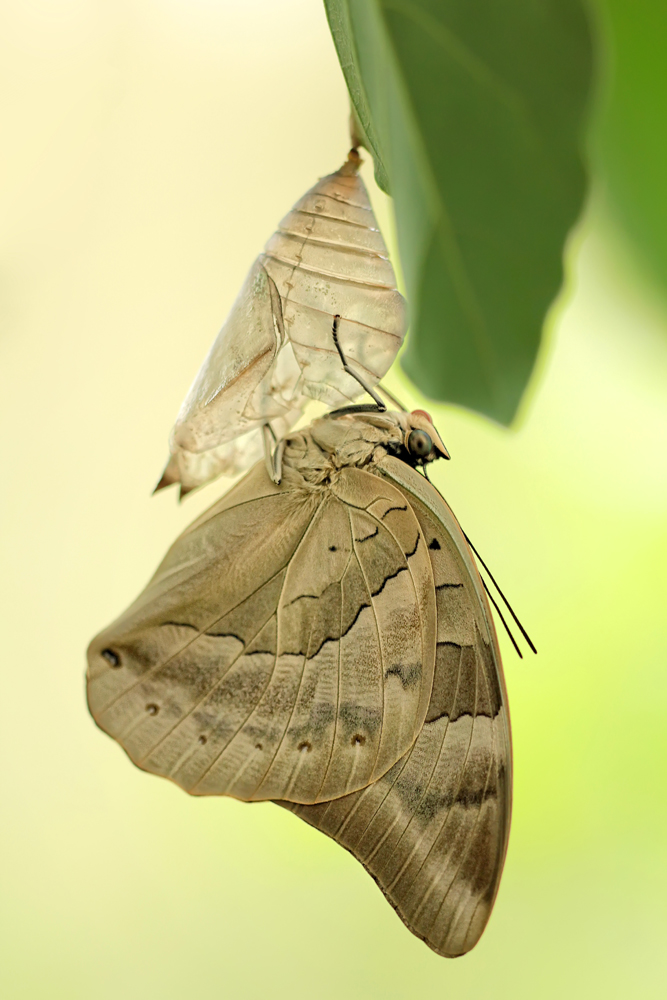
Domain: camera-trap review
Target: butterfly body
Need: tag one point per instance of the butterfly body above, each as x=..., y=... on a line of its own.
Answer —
x=326, y=643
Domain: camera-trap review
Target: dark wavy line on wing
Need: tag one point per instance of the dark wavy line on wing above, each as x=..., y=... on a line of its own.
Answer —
x=315, y=518
x=329, y=638
x=141, y=678
x=374, y=593
x=449, y=709
x=212, y=635
x=338, y=674
x=392, y=576
x=313, y=597
x=401, y=569
x=241, y=653
x=389, y=510
x=367, y=537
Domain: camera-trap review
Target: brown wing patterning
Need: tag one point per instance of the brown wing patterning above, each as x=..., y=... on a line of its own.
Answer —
x=433, y=831
x=327, y=643
x=284, y=649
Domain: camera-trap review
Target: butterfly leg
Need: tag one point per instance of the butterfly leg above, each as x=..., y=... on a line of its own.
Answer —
x=381, y=405
x=278, y=462
x=273, y=453
x=269, y=442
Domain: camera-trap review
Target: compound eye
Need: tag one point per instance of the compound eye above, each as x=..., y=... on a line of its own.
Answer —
x=419, y=444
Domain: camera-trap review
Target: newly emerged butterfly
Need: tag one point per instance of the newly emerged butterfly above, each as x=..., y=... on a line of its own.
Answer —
x=275, y=352
x=326, y=642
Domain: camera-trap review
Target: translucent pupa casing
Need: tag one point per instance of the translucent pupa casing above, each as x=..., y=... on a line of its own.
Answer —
x=276, y=349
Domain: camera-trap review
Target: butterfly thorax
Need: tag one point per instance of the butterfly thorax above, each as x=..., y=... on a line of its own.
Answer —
x=314, y=458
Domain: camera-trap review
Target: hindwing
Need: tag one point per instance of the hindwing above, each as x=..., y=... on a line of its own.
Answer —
x=433, y=830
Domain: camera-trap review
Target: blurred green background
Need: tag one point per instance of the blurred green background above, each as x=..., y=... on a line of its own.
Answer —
x=149, y=150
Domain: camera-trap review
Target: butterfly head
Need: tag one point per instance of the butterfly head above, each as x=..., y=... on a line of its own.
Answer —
x=421, y=440
x=361, y=434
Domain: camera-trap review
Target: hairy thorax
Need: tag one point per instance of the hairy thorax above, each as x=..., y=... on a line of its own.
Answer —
x=314, y=458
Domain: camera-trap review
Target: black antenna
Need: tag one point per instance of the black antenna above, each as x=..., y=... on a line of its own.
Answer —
x=380, y=403
x=356, y=408
x=491, y=598
x=507, y=603
x=500, y=615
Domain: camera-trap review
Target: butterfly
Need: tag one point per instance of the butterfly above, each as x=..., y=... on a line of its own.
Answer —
x=274, y=352
x=325, y=641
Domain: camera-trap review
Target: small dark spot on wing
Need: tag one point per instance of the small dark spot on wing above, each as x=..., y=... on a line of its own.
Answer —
x=407, y=675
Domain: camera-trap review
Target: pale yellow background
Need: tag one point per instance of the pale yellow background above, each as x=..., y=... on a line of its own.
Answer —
x=149, y=149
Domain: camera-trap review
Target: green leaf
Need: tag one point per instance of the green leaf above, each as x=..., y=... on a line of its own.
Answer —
x=338, y=17
x=631, y=138
x=477, y=108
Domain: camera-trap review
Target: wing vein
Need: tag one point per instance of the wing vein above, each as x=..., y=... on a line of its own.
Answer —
x=282, y=591
x=338, y=678
x=158, y=666
x=377, y=629
x=435, y=764
x=428, y=894
x=210, y=691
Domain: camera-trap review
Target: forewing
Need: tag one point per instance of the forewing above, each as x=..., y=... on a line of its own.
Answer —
x=172, y=676
x=433, y=831
x=284, y=648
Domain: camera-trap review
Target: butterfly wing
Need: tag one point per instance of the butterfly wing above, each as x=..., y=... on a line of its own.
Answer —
x=285, y=647
x=433, y=831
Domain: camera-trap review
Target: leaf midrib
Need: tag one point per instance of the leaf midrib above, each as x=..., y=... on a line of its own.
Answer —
x=443, y=233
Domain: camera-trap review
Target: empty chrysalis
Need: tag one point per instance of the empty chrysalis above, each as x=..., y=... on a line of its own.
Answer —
x=275, y=350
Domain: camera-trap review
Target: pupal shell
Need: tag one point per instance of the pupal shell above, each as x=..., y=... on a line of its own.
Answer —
x=276, y=349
